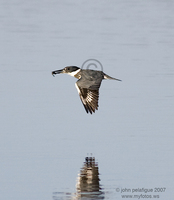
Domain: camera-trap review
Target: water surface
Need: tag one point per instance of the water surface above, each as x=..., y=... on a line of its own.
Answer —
x=45, y=131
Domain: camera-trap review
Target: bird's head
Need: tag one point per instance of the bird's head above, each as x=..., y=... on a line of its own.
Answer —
x=67, y=70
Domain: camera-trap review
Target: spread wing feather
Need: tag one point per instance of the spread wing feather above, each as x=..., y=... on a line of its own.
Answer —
x=88, y=88
x=88, y=97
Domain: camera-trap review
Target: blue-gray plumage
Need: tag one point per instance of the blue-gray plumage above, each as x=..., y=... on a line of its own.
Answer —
x=87, y=86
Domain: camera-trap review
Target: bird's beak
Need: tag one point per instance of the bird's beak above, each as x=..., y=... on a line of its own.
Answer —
x=57, y=72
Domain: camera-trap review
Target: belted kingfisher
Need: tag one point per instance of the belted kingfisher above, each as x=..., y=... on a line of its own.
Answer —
x=87, y=86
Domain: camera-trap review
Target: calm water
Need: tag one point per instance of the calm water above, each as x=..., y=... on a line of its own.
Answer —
x=45, y=132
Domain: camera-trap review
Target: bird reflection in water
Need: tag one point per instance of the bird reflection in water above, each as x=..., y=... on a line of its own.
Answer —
x=88, y=182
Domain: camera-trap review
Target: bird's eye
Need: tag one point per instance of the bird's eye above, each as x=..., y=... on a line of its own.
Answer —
x=67, y=68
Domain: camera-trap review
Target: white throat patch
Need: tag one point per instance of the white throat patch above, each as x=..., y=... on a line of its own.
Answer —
x=74, y=73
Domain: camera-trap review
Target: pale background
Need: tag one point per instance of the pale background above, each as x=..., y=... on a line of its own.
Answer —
x=45, y=133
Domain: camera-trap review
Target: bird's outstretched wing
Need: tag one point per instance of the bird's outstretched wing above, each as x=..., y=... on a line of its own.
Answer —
x=89, y=93
x=89, y=98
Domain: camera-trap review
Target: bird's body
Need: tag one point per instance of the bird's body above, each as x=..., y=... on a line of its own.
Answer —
x=88, y=85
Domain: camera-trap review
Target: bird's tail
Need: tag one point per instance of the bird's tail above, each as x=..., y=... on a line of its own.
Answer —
x=109, y=77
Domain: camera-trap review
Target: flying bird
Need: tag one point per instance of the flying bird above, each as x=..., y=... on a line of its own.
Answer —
x=88, y=85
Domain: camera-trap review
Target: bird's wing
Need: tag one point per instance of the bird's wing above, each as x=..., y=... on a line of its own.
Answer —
x=89, y=93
